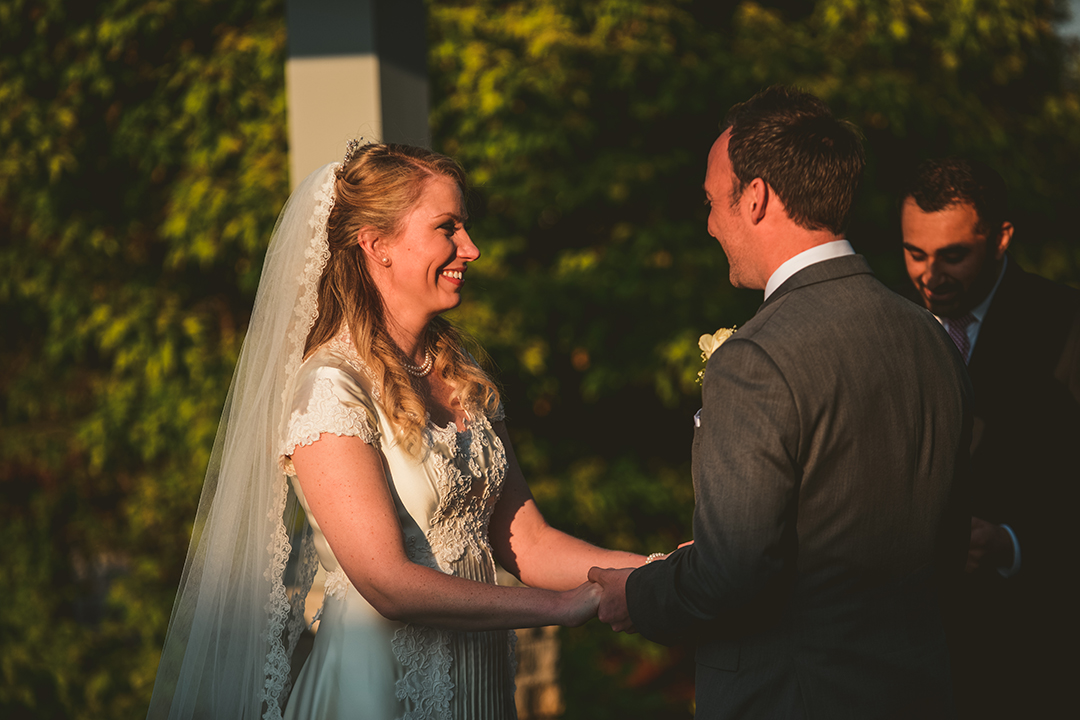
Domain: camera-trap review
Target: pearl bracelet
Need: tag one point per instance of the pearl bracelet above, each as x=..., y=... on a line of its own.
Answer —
x=655, y=556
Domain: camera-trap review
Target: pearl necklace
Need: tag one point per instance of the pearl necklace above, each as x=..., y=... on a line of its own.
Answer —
x=420, y=370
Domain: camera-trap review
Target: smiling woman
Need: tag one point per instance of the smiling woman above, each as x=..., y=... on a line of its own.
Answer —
x=420, y=270
x=395, y=233
x=355, y=402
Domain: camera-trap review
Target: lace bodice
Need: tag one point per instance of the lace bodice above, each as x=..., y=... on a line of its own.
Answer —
x=444, y=502
x=471, y=466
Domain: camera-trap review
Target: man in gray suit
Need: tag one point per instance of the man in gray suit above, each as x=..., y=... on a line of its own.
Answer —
x=825, y=460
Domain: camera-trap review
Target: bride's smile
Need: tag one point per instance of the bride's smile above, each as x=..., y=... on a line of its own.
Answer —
x=427, y=258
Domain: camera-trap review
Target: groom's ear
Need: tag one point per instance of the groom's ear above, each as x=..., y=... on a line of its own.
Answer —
x=758, y=195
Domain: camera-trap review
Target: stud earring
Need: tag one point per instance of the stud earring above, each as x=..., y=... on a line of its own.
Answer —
x=386, y=261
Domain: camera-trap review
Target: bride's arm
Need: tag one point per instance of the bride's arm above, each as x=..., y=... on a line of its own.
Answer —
x=538, y=554
x=346, y=488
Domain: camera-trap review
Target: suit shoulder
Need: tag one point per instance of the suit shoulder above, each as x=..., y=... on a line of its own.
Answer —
x=1054, y=293
x=855, y=299
x=1028, y=300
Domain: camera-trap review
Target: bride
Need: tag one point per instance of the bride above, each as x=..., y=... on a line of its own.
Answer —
x=355, y=402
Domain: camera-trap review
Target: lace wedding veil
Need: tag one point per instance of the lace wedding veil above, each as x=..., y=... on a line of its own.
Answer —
x=235, y=624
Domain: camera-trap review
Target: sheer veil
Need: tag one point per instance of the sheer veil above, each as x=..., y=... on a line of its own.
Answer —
x=235, y=624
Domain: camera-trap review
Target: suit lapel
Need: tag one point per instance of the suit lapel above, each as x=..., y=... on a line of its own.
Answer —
x=993, y=339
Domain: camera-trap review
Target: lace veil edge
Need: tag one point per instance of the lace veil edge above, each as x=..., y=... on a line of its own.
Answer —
x=235, y=622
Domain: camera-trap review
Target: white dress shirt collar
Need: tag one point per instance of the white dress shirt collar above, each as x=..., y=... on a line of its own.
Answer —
x=979, y=311
x=816, y=254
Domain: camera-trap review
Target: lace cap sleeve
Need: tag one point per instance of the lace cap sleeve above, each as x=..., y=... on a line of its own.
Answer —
x=328, y=399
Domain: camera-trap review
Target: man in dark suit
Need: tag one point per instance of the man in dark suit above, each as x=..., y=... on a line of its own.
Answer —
x=1020, y=335
x=832, y=429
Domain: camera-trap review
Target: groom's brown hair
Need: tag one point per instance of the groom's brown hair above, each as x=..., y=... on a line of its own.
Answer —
x=812, y=160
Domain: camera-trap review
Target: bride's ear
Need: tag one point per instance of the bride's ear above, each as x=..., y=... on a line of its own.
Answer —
x=373, y=244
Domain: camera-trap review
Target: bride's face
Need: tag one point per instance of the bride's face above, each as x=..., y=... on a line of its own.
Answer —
x=428, y=256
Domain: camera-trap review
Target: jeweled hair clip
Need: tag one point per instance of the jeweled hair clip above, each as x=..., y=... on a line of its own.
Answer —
x=350, y=150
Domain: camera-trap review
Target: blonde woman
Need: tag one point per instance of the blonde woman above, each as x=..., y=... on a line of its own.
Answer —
x=355, y=401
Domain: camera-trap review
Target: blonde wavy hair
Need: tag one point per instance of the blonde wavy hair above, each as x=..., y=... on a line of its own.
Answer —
x=376, y=187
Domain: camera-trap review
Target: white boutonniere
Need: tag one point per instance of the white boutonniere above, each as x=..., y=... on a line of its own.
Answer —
x=709, y=343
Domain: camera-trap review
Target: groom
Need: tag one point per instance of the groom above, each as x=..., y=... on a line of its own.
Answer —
x=825, y=457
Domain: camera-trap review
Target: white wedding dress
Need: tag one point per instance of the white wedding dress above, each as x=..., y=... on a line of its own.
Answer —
x=363, y=666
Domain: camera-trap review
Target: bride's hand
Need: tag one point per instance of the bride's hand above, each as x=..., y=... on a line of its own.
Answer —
x=580, y=604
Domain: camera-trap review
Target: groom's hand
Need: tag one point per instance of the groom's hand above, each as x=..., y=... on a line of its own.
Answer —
x=991, y=546
x=613, y=610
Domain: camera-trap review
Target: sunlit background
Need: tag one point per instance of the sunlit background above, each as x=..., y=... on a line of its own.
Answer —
x=144, y=157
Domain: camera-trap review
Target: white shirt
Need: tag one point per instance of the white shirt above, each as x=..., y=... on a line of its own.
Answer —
x=816, y=254
x=979, y=312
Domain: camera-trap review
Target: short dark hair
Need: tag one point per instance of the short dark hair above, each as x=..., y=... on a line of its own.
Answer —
x=944, y=182
x=812, y=160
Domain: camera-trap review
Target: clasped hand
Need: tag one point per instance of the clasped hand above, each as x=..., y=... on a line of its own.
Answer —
x=991, y=546
x=603, y=596
x=612, y=609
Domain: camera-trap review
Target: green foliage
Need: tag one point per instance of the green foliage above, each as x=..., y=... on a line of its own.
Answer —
x=989, y=80
x=142, y=169
x=144, y=162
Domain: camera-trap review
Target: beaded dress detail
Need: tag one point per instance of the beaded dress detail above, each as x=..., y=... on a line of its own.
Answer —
x=362, y=665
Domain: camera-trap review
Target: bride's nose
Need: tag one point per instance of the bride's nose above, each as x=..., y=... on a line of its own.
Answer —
x=466, y=249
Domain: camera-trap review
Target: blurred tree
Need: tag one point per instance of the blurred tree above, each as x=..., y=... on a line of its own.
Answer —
x=990, y=80
x=143, y=165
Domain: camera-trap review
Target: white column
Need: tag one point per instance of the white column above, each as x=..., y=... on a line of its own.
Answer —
x=356, y=68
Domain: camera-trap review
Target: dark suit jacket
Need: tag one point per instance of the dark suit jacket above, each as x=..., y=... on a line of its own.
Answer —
x=833, y=425
x=1025, y=372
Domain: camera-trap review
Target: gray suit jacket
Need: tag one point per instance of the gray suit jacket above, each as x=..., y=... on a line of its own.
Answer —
x=833, y=429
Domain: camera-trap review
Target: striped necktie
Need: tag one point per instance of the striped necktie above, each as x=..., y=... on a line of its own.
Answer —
x=957, y=329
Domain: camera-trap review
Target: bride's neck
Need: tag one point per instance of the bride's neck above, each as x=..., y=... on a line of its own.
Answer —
x=408, y=336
